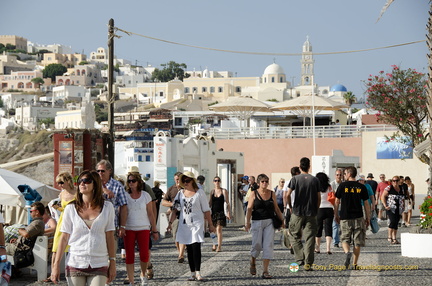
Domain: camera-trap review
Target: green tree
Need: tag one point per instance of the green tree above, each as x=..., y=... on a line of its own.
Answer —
x=37, y=81
x=101, y=115
x=170, y=71
x=1, y=103
x=349, y=98
x=52, y=70
x=400, y=98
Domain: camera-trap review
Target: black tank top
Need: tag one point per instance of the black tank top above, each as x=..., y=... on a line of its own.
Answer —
x=262, y=209
x=217, y=203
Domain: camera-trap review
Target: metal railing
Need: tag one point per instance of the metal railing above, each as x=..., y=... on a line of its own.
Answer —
x=277, y=132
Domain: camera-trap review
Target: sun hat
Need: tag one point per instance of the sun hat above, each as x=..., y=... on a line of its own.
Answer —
x=370, y=175
x=189, y=175
x=133, y=169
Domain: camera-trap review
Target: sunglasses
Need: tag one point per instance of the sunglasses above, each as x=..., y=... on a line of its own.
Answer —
x=216, y=181
x=100, y=171
x=85, y=181
x=264, y=182
x=60, y=183
x=395, y=180
x=132, y=181
x=32, y=211
x=186, y=181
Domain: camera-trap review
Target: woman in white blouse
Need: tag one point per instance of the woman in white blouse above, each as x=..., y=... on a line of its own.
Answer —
x=141, y=219
x=193, y=206
x=88, y=227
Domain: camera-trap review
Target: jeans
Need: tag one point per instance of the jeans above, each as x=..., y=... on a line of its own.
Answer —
x=336, y=238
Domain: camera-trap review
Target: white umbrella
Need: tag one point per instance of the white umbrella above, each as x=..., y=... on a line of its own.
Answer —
x=309, y=106
x=10, y=195
x=243, y=107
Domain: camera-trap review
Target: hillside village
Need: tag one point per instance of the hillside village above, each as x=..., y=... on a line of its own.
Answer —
x=50, y=87
x=36, y=94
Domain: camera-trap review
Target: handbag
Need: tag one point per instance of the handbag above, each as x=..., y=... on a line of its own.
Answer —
x=277, y=223
x=331, y=198
x=374, y=223
x=23, y=258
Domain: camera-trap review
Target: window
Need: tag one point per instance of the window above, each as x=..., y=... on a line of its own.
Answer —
x=148, y=158
x=212, y=89
x=204, y=89
x=194, y=89
x=186, y=90
x=178, y=121
x=238, y=89
x=220, y=89
x=148, y=176
x=273, y=79
x=161, y=93
x=281, y=79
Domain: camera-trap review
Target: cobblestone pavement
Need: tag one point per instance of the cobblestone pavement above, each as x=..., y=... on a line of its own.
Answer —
x=231, y=266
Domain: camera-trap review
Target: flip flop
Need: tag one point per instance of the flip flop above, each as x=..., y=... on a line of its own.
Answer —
x=266, y=275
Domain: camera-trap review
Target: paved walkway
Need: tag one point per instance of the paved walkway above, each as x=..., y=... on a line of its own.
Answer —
x=231, y=266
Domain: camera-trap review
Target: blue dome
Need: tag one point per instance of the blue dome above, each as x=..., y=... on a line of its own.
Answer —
x=338, y=87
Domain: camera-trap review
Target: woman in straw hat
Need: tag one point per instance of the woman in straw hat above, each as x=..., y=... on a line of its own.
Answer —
x=193, y=206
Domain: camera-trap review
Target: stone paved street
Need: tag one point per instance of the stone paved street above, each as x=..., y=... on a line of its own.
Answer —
x=231, y=266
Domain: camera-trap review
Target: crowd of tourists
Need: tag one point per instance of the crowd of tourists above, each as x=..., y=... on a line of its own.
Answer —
x=91, y=222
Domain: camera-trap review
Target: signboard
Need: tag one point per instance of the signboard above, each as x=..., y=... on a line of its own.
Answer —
x=399, y=148
x=65, y=161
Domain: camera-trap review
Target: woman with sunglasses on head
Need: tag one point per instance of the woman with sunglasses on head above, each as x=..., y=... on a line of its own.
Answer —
x=393, y=199
x=88, y=227
x=140, y=224
x=67, y=195
x=192, y=204
x=262, y=205
x=218, y=198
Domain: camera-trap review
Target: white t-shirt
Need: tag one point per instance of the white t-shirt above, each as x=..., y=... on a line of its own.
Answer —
x=285, y=189
x=88, y=246
x=137, y=218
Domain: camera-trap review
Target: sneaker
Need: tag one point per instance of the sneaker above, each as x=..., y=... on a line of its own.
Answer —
x=144, y=281
x=348, y=260
x=379, y=220
x=336, y=245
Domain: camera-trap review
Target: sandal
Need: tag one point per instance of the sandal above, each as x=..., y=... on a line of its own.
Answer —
x=218, y=249
x=192, y=278
x=48, y=280
x=149, y=272
x=266, y=275
x=252, y=269
x=395, y=241
x=200, y=278
x=389, y=239
x=214, y=248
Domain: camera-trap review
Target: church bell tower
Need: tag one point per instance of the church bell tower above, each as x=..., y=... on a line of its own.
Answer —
x=307, y=63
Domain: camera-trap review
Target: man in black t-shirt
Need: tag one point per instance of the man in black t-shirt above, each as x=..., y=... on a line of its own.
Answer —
x=303, y=223
x=349, y=195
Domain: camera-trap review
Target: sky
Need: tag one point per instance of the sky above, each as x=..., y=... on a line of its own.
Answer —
x=271, y=26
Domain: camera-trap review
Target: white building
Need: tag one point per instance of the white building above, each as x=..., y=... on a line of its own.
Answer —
x=80, y=116
x=68, y=92
x=54, y=48
x=28, y=116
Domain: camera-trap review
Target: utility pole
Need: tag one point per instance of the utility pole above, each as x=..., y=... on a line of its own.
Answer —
x=110, y=91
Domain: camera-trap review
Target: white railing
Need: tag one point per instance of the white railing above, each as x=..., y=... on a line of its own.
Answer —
x=276, y=132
